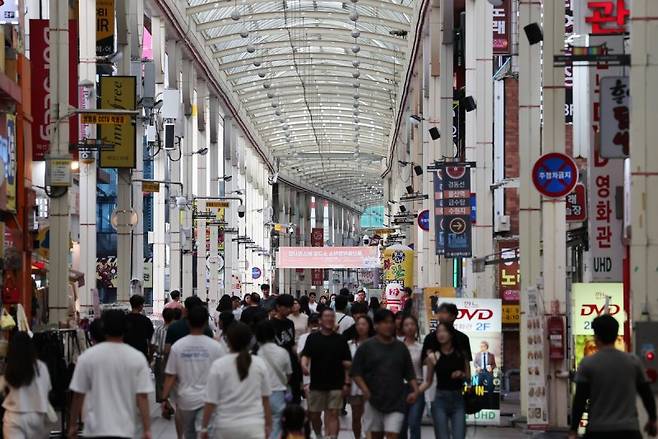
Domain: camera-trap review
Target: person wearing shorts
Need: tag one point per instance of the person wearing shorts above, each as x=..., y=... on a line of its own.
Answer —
x=326, y=358
x=382, y=368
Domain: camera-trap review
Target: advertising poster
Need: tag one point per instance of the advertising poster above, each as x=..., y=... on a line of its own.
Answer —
x=432, y=298
x=481, y=320
x=536, y=376
x=118, y=92
x=589, y=302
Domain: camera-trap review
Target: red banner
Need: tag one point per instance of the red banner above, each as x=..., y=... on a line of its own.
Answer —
x=317, y=240
x=40, y=65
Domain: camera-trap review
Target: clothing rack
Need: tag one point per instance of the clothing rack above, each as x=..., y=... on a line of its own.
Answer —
x=59, y=349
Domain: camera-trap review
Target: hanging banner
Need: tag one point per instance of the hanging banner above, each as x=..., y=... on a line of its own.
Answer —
x=615, y=117
x=536, y=376
x=502, y=28
x=568, y=68
x=481, y=320
x=589, y=302
x=317, y=240
x=399, y=265
x=452, y=210
x=104, y=27
x=604, y=175
x=118, y=92
x=40, y=85
x=432, y=298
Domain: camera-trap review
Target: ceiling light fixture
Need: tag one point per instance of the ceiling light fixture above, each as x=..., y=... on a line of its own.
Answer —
x=235, y=15
x=356, y=33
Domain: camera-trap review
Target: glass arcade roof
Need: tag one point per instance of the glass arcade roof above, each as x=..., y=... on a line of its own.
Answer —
x=318, y=78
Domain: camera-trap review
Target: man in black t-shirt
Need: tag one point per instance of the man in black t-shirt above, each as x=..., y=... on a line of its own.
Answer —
x=326, y=358
x=253, y=313
x=139, y=328
x=284, y=336
x=447, y=314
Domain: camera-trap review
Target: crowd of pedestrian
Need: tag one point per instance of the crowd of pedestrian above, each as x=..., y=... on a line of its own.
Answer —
x=278, y=367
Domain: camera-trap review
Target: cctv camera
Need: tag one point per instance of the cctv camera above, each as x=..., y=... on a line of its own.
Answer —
x=241, y=211
x=496, y=3
x=181, y=203
x=366, y=240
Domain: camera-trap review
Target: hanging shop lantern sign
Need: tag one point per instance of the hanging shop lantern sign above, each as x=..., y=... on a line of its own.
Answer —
x=555, y=175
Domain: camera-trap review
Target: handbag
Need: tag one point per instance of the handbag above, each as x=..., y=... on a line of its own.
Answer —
x=473, y=402
x=7, y=322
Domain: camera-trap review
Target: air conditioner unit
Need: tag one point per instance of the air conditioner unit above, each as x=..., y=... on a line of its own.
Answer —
x=503, y=224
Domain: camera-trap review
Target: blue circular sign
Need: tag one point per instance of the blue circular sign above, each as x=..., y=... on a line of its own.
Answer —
x=555, y=175
x=424, y=220
x=256, y=272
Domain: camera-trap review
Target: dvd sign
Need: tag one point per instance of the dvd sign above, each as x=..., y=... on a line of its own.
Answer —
x=590, y=301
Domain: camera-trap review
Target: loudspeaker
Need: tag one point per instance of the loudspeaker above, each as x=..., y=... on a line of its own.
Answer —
x=534, y=33
x=418, y=170
x=410, y=189
x=469, y=104
x=169, y=137
x=434, y=133
x=403, y=209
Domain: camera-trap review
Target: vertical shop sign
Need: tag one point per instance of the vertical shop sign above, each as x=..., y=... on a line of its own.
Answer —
x=118, y=92
x=10, y=163
x=536, y=377
x=456, y=211
x=615, y=116
x=438, y=213
x=568, y=68
x=501, y=28
x=509, y=271
x=317, y=240
x=481, y=320
x=576, y=205
x=40, y=85
x=104, y=27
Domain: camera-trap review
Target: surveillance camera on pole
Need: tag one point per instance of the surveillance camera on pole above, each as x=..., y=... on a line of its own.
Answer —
x=241, y=211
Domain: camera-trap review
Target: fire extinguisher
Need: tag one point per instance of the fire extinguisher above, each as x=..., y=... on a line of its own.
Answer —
x=555, y=325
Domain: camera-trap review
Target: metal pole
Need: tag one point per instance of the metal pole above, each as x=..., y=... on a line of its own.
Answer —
x=58, y=265
x=529, y=203
x=87, y=75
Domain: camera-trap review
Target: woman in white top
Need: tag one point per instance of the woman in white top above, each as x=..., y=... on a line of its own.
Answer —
x=300, y=320
x=28, y=381
x=414, y=415
x=238, y=392
x=279, y=368
x=364, y=330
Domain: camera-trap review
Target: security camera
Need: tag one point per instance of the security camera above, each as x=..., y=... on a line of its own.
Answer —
x=181, y=203
x=241, y=211
x=273, y=178
x=366, y=240
x=496, y=3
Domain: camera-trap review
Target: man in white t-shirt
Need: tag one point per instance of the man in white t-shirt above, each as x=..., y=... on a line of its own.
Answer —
x=114, y=380
x=312, y=304
x=279, y=369
x=343, y=320
x=188, y=365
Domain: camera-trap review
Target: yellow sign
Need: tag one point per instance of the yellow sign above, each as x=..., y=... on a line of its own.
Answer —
x=104, y=118
x=216, y=204
x=511, y=314
x=280, y=228
x=150, y=187
x=381, y=232
x=104, y=27
x=399, y=265
x=432, y=298
x=118, y=92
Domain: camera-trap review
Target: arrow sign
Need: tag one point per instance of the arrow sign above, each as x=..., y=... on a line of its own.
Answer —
x=555, y=175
